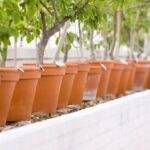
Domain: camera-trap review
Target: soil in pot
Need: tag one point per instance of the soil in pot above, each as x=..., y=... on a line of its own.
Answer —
x=130, y=85
x=115, y=77
x=79, y=84
x=67, y=83
x=24, y=93
x=48, y=88
x=123, y=85
x=92, y=82
x=8, y=77
x=103, y=84
x=141, y=76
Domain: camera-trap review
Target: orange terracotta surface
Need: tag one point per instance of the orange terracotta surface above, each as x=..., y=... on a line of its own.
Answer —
x=9, y=77
x=146, y=62
x=104, y=81
x=130, y=85
x=92, y=83
x=79, y=84
x=24, y=93
x=115, y=77
x=123, y=85
x=141, y=76
x=48, y=88
x=66, y=86
x=148, y=82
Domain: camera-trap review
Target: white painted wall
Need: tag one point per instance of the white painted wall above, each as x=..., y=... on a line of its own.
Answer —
x=122, y=124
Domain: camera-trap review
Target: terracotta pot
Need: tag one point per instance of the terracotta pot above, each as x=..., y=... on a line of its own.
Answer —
x=115, y=77
x=123, y=85
x=146, y=62
x=67, y=83
x=104, y=81
x=9, y=77
x=92, y=83
x=48, y=88
x=79, y=84
x=130, y=85
x=141, y=76
x=148, y=82
x=24, y=93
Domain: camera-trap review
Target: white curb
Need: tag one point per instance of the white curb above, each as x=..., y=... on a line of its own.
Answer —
x=122, y=124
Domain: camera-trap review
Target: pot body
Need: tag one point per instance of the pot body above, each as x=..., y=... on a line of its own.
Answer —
x=130, y=85
x=8, y=77
x=79, y=84
x=148, y=81
x=103, y=84
x=24, y=93
x=123, y=85
x=115, y=78
x=146, y=62
x=92, y=82
x=48, y=88
x=141, y=76
x=66, y=86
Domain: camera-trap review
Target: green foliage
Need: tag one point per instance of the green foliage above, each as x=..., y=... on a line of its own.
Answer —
x=24, y=17
x=70, y=38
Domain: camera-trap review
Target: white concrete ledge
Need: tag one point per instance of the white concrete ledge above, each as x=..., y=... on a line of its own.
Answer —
x=122, y=124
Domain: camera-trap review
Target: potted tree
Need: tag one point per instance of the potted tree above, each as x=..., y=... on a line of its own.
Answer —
x=8, y=75
x=50, y=20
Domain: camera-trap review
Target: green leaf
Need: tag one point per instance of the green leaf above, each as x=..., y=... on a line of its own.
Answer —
x=30, y=38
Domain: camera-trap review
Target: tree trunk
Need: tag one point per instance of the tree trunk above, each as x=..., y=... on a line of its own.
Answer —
x=4, y=57
x=15, y=52
x=118, y=33
x=147, y=45
x=80, y=40
x=105, y=45
x=132, y=44
x=114, y=36
x=92, y=55
x=41, y=48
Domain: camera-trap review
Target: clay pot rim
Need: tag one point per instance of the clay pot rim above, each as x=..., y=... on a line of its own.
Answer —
x=109, y=65
x=48, y=65
x=53, y=70
x=45, y=65
x=9, y=74
x=11, y=69
x=143, y=61
x=30, y=68
x=71, y=69
x=83, y=66
x=102, y=61
x=84, y=69
x=118, y=66
x=106, y=61
x=95, y=69
x=127, y=67
x=30, y=74
x=142, y=66
x=71, y=64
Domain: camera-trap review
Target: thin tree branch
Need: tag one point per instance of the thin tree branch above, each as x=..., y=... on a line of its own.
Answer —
x=51, y=13
x=43, y=22
x=54, y=8
x=141, y=5
x=61, y=23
